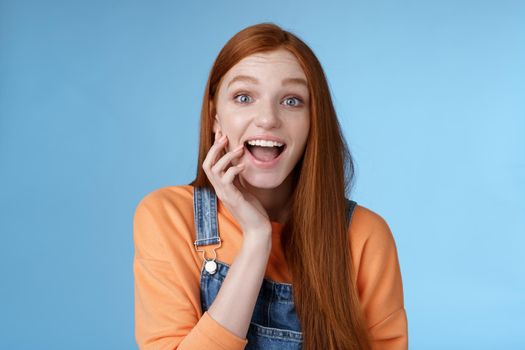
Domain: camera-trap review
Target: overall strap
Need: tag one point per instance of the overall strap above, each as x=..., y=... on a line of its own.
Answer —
x=205, y=215
x=350, y=206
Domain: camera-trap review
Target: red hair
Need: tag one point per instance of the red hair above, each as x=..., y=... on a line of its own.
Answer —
x=315, y=239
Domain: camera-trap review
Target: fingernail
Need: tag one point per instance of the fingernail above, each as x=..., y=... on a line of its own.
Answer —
x=238, y=148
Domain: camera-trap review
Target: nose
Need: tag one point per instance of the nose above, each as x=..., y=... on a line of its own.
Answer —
x=267, y=117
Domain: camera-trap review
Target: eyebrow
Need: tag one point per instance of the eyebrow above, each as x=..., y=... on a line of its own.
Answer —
x=254, y=80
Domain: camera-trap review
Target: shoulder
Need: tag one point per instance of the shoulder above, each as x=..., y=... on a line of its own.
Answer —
x=365, y=220
x=163, y=218
x=173, y=202
x=179, y=196
x=369, y=230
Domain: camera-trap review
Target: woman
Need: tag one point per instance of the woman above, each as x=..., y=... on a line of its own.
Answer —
x=263, y=250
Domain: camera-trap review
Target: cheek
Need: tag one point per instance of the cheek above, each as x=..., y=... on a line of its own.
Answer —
x=234, y=128
x=301, y=130
x=233, y=125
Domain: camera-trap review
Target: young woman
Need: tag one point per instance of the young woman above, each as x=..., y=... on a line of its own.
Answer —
x=263, y=250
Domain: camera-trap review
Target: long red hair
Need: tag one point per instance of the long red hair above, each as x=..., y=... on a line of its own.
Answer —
x=315, y=239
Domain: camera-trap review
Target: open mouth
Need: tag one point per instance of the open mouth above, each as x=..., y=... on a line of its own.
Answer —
x=265, y=153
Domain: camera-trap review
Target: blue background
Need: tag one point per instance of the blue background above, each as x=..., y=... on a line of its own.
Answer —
x=99, y=105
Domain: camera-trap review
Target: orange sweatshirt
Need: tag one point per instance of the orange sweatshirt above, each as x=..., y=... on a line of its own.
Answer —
x=167, y=275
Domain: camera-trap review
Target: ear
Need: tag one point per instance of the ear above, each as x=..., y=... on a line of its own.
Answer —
x=216, y=125
x=212, y=110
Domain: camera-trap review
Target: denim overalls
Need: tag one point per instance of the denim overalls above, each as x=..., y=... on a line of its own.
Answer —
x=274, y=323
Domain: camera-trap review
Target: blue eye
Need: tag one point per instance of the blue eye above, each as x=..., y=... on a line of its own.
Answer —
x=298, y=101
x=244, y=100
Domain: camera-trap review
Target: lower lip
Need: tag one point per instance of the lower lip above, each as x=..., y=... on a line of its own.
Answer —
x=264, y=165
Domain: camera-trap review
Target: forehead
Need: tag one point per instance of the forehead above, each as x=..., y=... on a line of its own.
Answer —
x=278, y=63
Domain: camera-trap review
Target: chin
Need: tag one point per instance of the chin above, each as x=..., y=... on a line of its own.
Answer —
x=261, y=180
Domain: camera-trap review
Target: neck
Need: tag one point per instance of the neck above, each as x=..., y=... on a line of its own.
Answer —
x=274, y=200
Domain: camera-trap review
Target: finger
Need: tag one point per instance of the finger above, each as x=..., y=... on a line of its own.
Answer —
x=230, y=174
x=213, y=152
x=217, y=147
x=218, y=168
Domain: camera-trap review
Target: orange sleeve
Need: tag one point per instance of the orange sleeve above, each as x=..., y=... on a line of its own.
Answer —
x=381, y=289
x=168, y=314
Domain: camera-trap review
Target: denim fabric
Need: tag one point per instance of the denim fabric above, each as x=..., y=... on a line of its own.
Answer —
x=274, y=324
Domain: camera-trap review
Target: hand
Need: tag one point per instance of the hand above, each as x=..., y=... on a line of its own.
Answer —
x=244, y=207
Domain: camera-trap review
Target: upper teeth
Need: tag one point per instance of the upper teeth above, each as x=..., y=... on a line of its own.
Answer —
x=264, y=143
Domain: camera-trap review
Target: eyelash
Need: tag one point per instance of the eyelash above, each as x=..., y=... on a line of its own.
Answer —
x=300, y=101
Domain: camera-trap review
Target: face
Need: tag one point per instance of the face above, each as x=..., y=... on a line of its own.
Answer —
x=263, y=103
